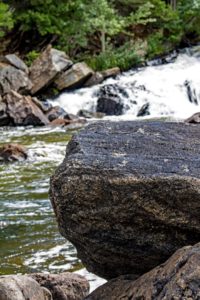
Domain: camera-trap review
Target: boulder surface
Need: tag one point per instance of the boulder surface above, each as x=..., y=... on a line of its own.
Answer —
x=127, y=194
x=20, y=287
x=177, y=278
x=65, y=286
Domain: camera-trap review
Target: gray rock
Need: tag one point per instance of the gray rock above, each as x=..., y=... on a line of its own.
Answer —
x=13, y=79
x=55, y=112
x=177, y=278
x=127, y=194
x=65, y=286
x=23, y=111
x=18, y=287
x=194, y=119
x=16, y=62
x=45, y=106
x=75, y=77
x=46, y=67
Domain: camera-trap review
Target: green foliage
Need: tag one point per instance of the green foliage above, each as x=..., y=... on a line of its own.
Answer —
x=30, y=57
x=104, y=28
x=124, y=57
x=6, y=21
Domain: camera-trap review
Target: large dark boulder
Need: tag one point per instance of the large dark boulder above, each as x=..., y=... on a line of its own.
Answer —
x=127, y=194
x=177, y=278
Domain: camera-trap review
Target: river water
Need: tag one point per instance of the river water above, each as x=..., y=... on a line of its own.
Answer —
x=29, y=237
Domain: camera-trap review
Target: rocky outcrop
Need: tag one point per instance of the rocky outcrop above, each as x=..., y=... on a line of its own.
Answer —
x=65, y=286
x=75, y=77
x=14, y=79
x=46, y=67
x=194, y=119
x=177, y=278
x=110, y=100
x=127, y=194
x=23, y=111
x=22, y=288
x=13, y=152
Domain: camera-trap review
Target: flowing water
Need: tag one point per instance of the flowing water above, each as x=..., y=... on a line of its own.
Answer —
x=29, y=237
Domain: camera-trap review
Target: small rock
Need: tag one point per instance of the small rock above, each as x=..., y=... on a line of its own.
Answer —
x=55, y=113
x=177, y=278
x=144, y=110
x=13, y=152
x=95, y=79
x=88, y=114
x=46, y=67
x=113, y=72
x=65, y=286
x=75, y=77
x=18, y=287
x=60, y=122
x=194, y=119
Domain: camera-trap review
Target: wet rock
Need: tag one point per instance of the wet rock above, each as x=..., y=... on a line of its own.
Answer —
x=194, y=119
x=4, y=117
x=191, y=92
x=177, y=278
x=13, y=79
x=13, y=152
x=110, y=100
x=96, y=78
x=23, y=111
x=60, y=122
x=46, y=67
x=75, y=77
x=88, y=114
x=55, y=113
x=71, y=117
x=16, y=62
x=65, y=286
x=45, y=106
x=127, y=194
x=113, y=72
x=18, y=287
x=144, y=110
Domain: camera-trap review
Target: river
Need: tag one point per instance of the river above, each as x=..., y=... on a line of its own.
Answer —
x=29, y=237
